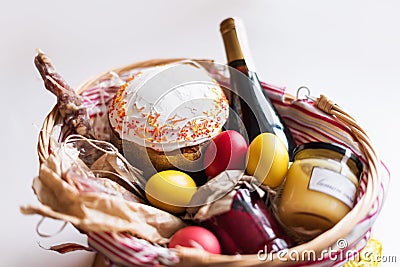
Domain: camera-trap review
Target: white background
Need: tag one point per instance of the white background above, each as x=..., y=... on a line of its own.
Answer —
x=348, y=50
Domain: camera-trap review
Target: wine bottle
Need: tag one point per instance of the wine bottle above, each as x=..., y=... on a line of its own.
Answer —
x=251, y=110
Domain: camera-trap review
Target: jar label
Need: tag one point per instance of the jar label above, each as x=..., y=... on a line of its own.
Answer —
x=333, y=184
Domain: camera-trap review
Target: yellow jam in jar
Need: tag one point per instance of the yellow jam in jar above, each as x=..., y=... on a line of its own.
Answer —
x=321, y=187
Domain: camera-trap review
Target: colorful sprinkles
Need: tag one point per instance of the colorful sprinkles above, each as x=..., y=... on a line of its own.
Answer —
x=150, y=128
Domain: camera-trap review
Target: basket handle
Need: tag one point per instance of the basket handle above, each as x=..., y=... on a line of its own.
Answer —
x=328, y=106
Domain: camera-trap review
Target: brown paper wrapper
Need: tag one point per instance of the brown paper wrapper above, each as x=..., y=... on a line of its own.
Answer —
x=216, y=196
x=68, y=190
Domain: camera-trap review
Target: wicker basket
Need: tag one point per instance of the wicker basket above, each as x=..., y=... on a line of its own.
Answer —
x=355, y=227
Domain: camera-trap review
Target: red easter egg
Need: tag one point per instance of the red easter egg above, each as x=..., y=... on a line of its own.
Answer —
x=196, y=237
x=227, y=151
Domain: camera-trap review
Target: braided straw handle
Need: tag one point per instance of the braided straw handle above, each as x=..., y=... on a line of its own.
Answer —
x=195, y=257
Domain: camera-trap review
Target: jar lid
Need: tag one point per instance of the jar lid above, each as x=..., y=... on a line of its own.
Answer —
x=330, y=146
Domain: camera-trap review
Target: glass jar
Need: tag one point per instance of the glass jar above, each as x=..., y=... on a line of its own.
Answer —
x=321, y=187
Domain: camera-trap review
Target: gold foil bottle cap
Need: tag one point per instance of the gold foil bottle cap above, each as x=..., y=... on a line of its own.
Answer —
x=227, y=25
x=235, y=41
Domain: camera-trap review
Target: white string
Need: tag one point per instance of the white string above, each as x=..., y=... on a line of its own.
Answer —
x=48, y=235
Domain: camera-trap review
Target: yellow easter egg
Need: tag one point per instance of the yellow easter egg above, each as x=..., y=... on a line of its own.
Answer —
x=170, y=190
x=267, y=159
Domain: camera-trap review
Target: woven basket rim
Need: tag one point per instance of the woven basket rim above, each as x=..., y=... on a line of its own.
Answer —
x=318, y=244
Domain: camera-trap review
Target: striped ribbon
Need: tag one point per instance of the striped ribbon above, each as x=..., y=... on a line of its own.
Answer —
x=67, y=247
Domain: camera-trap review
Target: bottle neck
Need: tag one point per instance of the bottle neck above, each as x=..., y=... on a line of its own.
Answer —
x=231, y=42
x=236, y=47
x=240, y=65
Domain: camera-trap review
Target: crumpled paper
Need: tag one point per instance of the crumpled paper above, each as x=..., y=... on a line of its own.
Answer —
x=69, y=191
x=217, y=195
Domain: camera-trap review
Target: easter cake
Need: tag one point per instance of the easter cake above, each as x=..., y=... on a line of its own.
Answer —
x=164, y=117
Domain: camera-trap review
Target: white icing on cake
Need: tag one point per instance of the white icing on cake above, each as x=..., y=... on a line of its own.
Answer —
x=169, y=107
